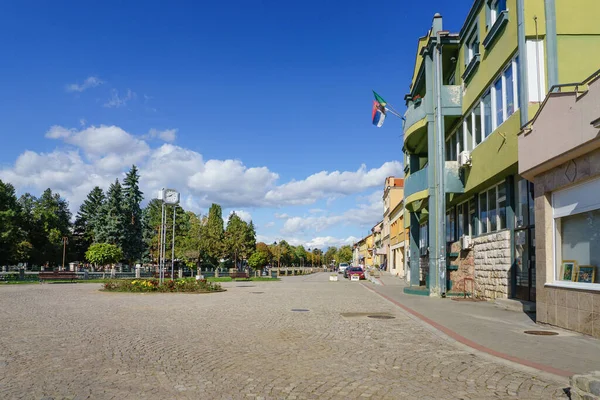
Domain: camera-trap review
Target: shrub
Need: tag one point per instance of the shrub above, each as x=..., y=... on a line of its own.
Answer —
x=184, y=285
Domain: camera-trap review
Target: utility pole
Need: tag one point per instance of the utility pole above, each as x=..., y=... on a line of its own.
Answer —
x=65, y=240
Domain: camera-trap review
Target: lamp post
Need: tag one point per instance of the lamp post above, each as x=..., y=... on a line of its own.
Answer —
x=278, y=258
x=65, y=240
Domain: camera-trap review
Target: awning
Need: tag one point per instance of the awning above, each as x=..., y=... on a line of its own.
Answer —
x=381, y=251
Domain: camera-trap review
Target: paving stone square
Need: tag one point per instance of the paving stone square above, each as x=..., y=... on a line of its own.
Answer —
x=73, y=341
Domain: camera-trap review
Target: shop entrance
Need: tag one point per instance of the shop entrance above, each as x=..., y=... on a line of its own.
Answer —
x=523, y=276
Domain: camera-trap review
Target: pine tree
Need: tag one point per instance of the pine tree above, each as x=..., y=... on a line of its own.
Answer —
x=86, y=222
x=111, y=227
x=249, y=240
x=133, y=246
x=235, y=237
x=211, y=240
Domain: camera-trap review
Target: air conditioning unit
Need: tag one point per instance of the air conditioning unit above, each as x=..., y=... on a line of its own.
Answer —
x=464, y=158
x=465, y=242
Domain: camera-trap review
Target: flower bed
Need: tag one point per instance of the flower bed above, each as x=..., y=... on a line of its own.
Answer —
x=185, y=285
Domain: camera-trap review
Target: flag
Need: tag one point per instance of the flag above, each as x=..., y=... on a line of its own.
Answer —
x=379, y=99
x=378, y=114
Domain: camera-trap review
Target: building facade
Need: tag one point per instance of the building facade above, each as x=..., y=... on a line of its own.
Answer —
x=378, y=252
x=470, y=219
x=393, y=193
x=559, y=150
x=396, y=249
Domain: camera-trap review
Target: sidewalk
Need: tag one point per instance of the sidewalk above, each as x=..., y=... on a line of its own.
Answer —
x=487, y=327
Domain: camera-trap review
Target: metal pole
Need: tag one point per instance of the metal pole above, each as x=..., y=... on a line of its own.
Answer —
x=64, y=249
x=162, y=244
x=173, y=244
x=440, y=237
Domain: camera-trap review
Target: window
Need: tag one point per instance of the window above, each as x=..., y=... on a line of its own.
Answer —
x=472, y=46
x=487, y=113
x=576, y=212
x=463, y=219
x=451, y=147
x=477, y=131
x=496, y=7
x=498, y=103
x=472, y=215
x=483, y=217
x=450, y=226
x=492, y=209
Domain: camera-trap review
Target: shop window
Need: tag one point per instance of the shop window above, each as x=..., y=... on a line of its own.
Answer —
x=576, y=214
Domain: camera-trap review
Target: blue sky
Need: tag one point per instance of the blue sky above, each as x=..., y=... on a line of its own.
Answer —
x=262, y=106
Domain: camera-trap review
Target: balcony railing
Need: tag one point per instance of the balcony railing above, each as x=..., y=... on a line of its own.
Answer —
x=414, y=114
x=415, y=182
x=452, y=100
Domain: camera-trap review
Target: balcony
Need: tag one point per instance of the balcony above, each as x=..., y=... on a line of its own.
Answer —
x=414, y=113
x=452, y=181
x=415, y=189
x=452, y=100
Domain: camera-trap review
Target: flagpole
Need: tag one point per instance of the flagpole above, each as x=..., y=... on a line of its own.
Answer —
x=394, y=112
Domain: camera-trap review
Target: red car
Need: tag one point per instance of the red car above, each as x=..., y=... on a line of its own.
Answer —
x=354, y=271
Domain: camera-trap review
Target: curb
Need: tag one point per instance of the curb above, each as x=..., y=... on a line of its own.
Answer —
x=472, y=344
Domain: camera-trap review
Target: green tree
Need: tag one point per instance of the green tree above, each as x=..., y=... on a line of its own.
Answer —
x=249, y=240
x=103, y=254
x=235, y=237
x=188, y=247
x=212, y=236
x=300, y=253
x=259, y=259
x=133, y=246
x=11, y=233
x=111, y=227
x=344, y=254
x=50, y=221
x=87, y=221
x=151, y=219
x=331, y=254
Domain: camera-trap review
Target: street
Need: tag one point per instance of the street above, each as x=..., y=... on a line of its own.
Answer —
x=301, y=338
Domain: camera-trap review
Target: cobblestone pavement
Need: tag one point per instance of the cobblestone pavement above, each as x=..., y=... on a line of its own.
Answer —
x=73, y=341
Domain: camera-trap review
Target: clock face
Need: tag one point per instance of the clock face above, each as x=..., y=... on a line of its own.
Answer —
x=171, y=197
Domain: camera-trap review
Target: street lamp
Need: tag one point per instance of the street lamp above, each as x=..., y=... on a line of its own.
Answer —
x=65, y=240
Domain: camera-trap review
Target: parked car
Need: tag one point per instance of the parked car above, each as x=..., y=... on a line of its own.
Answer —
x=354, y=271
x=342, y=267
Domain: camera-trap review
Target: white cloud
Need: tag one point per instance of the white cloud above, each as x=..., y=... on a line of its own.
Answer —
x=117, y=101
x=322, y=242
x=281, y=216
x=168, y=135
x=331, y=184
x=244, y=215
x=96, y=155
x=364, y=215
x=90, y=82
x=82, y=122
x=316, y=210
x=269, y=224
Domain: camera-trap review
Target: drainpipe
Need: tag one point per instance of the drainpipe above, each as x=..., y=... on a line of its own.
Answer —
x=522, y=46
x=440, y=235
x=551, y=49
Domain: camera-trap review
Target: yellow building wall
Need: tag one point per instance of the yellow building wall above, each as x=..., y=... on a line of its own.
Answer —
x=534, y=8
x=577, y=17
x=578, y=56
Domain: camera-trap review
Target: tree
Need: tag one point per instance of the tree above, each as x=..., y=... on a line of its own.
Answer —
x=47, y=223
x=259, y=259
x=111, y=227
x=212, y=235
x=249, y=240
x=87, y=221
x=11, y=233
x=151, y=219
x=300, y=253
x=103, y=254
x=344, y=254
x=133, y=246
x=331, y=254
x=188, y=247
x=235, y=237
